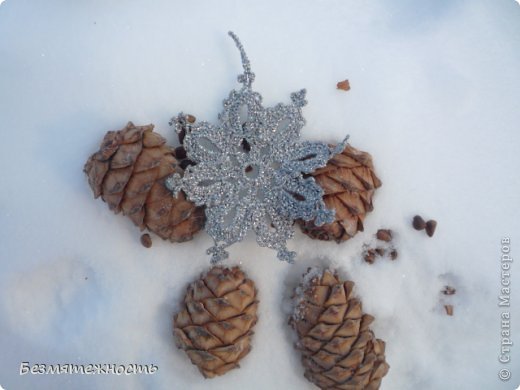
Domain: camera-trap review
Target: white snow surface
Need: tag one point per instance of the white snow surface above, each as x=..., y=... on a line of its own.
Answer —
x=435, y=99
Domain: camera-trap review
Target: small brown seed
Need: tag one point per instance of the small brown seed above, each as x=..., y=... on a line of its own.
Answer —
x=180, y=153
x=190, y=118
x=370, y=256
x=343, y=85
x=448, y=290
x=146, y=240
x=393, y=254
x=431, y=225
x=384, y=235
x=449, y=309
x=380, y=251
x=245, y=145
x=418, y=223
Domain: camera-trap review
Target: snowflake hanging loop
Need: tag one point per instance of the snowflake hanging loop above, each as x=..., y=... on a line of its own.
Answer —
x=249, y=169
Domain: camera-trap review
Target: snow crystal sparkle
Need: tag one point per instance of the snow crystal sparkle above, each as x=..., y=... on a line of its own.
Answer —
x=250, y=169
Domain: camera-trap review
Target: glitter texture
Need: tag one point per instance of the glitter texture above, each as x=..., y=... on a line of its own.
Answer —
x=251, y=168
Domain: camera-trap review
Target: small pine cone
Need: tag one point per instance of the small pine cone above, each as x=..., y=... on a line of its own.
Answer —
x=214, y=325
x=348, y=181
x=129, y=172
x=338, y=349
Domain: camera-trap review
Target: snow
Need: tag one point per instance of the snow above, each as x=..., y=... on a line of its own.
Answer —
x=435, y=87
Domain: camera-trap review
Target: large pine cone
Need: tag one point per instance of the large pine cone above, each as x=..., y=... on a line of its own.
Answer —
x=129, y=171
x=348, y=181
x=338, y=349
x=214, y=325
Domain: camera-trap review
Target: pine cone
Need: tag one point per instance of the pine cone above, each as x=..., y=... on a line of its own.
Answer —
x=348, y=181
x=338, y=349
x=129, y=171
x=214, y=325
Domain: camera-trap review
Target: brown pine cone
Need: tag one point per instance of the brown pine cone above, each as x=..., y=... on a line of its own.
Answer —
x=214, y=325
x=348, y=181
x=129, y=171
x=338, y=349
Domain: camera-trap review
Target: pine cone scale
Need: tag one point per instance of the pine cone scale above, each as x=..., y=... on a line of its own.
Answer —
x=151, y=139
x=134, y=134
x=347, y=179
x=125, y=156
x=353, y=202
x=98, y=171
x=147, y=161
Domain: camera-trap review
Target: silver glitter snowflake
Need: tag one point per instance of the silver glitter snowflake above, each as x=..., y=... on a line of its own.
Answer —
x=250, y=169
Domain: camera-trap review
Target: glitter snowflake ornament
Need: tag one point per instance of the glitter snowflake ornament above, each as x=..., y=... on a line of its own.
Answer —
x=250, y=169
